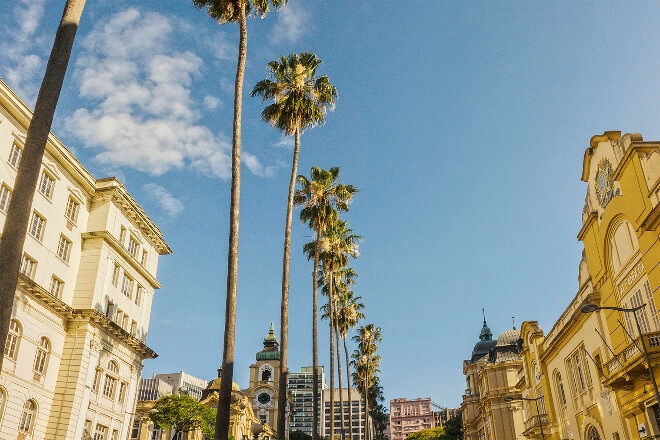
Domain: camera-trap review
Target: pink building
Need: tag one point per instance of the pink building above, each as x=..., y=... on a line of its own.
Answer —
x=408, y=416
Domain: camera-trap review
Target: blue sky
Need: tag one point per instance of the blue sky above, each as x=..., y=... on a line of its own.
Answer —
x=463, y=124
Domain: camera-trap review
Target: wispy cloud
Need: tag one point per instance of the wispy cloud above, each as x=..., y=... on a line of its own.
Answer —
x=166, y=201
x=291, y=25
x=285, y=142
x=141, y=113
x=255, y=166
x=20, y=66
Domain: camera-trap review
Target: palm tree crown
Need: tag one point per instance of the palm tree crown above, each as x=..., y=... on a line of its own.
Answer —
x=226, y=11
x=300, y=97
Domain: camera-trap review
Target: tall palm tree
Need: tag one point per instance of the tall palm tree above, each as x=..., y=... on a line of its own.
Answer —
x=226, y=11
x=349, y=312
x=322, y=196
x=16, y=224
x=337, y=245
x=367, y=362
x=300, y=101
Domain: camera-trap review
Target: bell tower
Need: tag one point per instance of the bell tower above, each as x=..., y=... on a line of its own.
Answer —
x=263, y=391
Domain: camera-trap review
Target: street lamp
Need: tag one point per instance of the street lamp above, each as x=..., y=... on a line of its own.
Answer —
x=589, y=307
x=538, y=413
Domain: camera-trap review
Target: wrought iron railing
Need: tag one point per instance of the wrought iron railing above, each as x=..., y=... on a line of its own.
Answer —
x=633, y=351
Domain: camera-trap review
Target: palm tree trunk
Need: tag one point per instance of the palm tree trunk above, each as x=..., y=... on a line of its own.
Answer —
x=227, y=373
x=332, y=361
x=16, y=224
x=284, y=317
x=348, y=387
x=315, y=340
x=341, y=395
x=366, y=402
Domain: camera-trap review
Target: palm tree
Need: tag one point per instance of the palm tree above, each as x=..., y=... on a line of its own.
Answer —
x=226, y=11
x=16, y=224
x=322, y=196
x=349, y=313
x=300, y=100
x=337, y=245
x=366, y=362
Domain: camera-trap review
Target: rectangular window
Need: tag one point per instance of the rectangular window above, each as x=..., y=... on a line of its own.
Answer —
x=100, y=433
x=138, y=295
x=72, y=209
x=109, y=386
x=15, y=155
x=97, y=379
x=28, y=266
x=115, y=275
x=122, y=235
x=134, y=329
x=135, y=430
x=127, y=286
x=5, y=197
x=122, y=392
x=115, y=434
x=37, y=226
x=46, y=185
x=145, y=256
x=64, y=249
x=133, y=247
x=579, y=372
x=56, y=287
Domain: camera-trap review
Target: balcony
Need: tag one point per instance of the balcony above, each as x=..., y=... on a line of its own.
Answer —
x=534, y=424
x=629, y=362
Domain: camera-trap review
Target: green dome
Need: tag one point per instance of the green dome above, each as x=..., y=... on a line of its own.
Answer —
x=271, y=350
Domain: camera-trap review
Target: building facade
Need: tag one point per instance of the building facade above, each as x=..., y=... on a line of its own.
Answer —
x=491, y=375
x=182, y=382
x=355, y=418
x=301, y=385
x=81, y=311
x=408, y=416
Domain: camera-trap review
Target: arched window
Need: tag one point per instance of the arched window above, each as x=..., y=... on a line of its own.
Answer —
x=623, y=243
x=560, y=389
x=13, y=339
x=592, y=433
x=3, y=399
x=110, y=383
x=41, y=356
x=28, y=416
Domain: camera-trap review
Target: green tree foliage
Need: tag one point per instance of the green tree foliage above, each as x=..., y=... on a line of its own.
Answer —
x=299, y=435
x=183, y=413
x=428, y=434
x=454, y=428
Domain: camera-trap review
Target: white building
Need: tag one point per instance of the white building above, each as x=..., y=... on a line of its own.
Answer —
x=357, y=414
x=301, y=387
x=81, y=311
x=184, y=382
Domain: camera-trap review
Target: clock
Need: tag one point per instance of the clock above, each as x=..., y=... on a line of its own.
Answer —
x=263, y=398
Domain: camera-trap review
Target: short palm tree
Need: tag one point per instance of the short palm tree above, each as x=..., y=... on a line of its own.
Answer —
x=322, y=196
x=16, y=224
x=300, y=101
x=226, y=11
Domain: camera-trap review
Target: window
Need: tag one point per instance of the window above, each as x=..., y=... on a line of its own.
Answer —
x=97, y=379
x=122, y=392
x=110, y=383
x=115, y=434
x=13, y=339
x=37, y=225
x=56, y=287
x=115, y=275
x=145, y=257
x=134, y=329
x=3, y=399
x=127, y=286
x=41, y=356
x=135, y=430
x=122, y=235
x=560, y=389
x=46, y=184
x=5, y=197
x=100, y=433
x=15, y=155
x=72, y=209
x=64, y=249
x=27, y=417
x=138, y=295
x=133, y=247
x=27, y=266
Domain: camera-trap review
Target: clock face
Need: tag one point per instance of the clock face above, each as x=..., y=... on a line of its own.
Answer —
x=263, y=398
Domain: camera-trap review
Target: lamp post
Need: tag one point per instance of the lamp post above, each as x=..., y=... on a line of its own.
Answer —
x=589, y=307
x=538, y=413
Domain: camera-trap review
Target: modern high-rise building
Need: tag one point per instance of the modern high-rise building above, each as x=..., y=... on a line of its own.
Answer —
x=301, y=386
x=77, y=337
x=355, y=418
x=182, y=382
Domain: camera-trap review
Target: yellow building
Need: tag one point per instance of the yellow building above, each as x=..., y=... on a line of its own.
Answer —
x=81, y=311
x=591, y=374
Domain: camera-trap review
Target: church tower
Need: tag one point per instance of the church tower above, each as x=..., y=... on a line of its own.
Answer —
x=264, y=381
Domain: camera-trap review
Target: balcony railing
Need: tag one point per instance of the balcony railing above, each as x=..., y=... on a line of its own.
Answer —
x=633, y=352
x=533, y=422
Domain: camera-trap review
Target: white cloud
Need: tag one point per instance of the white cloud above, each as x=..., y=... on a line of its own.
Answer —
x=285, y=142
x=141, y=112
x=20, y=65
x=291, y=25
x=255, y=166
x=211, y=102
x=166, y=201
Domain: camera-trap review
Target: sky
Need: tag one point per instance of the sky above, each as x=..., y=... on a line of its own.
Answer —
x=462, y=123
